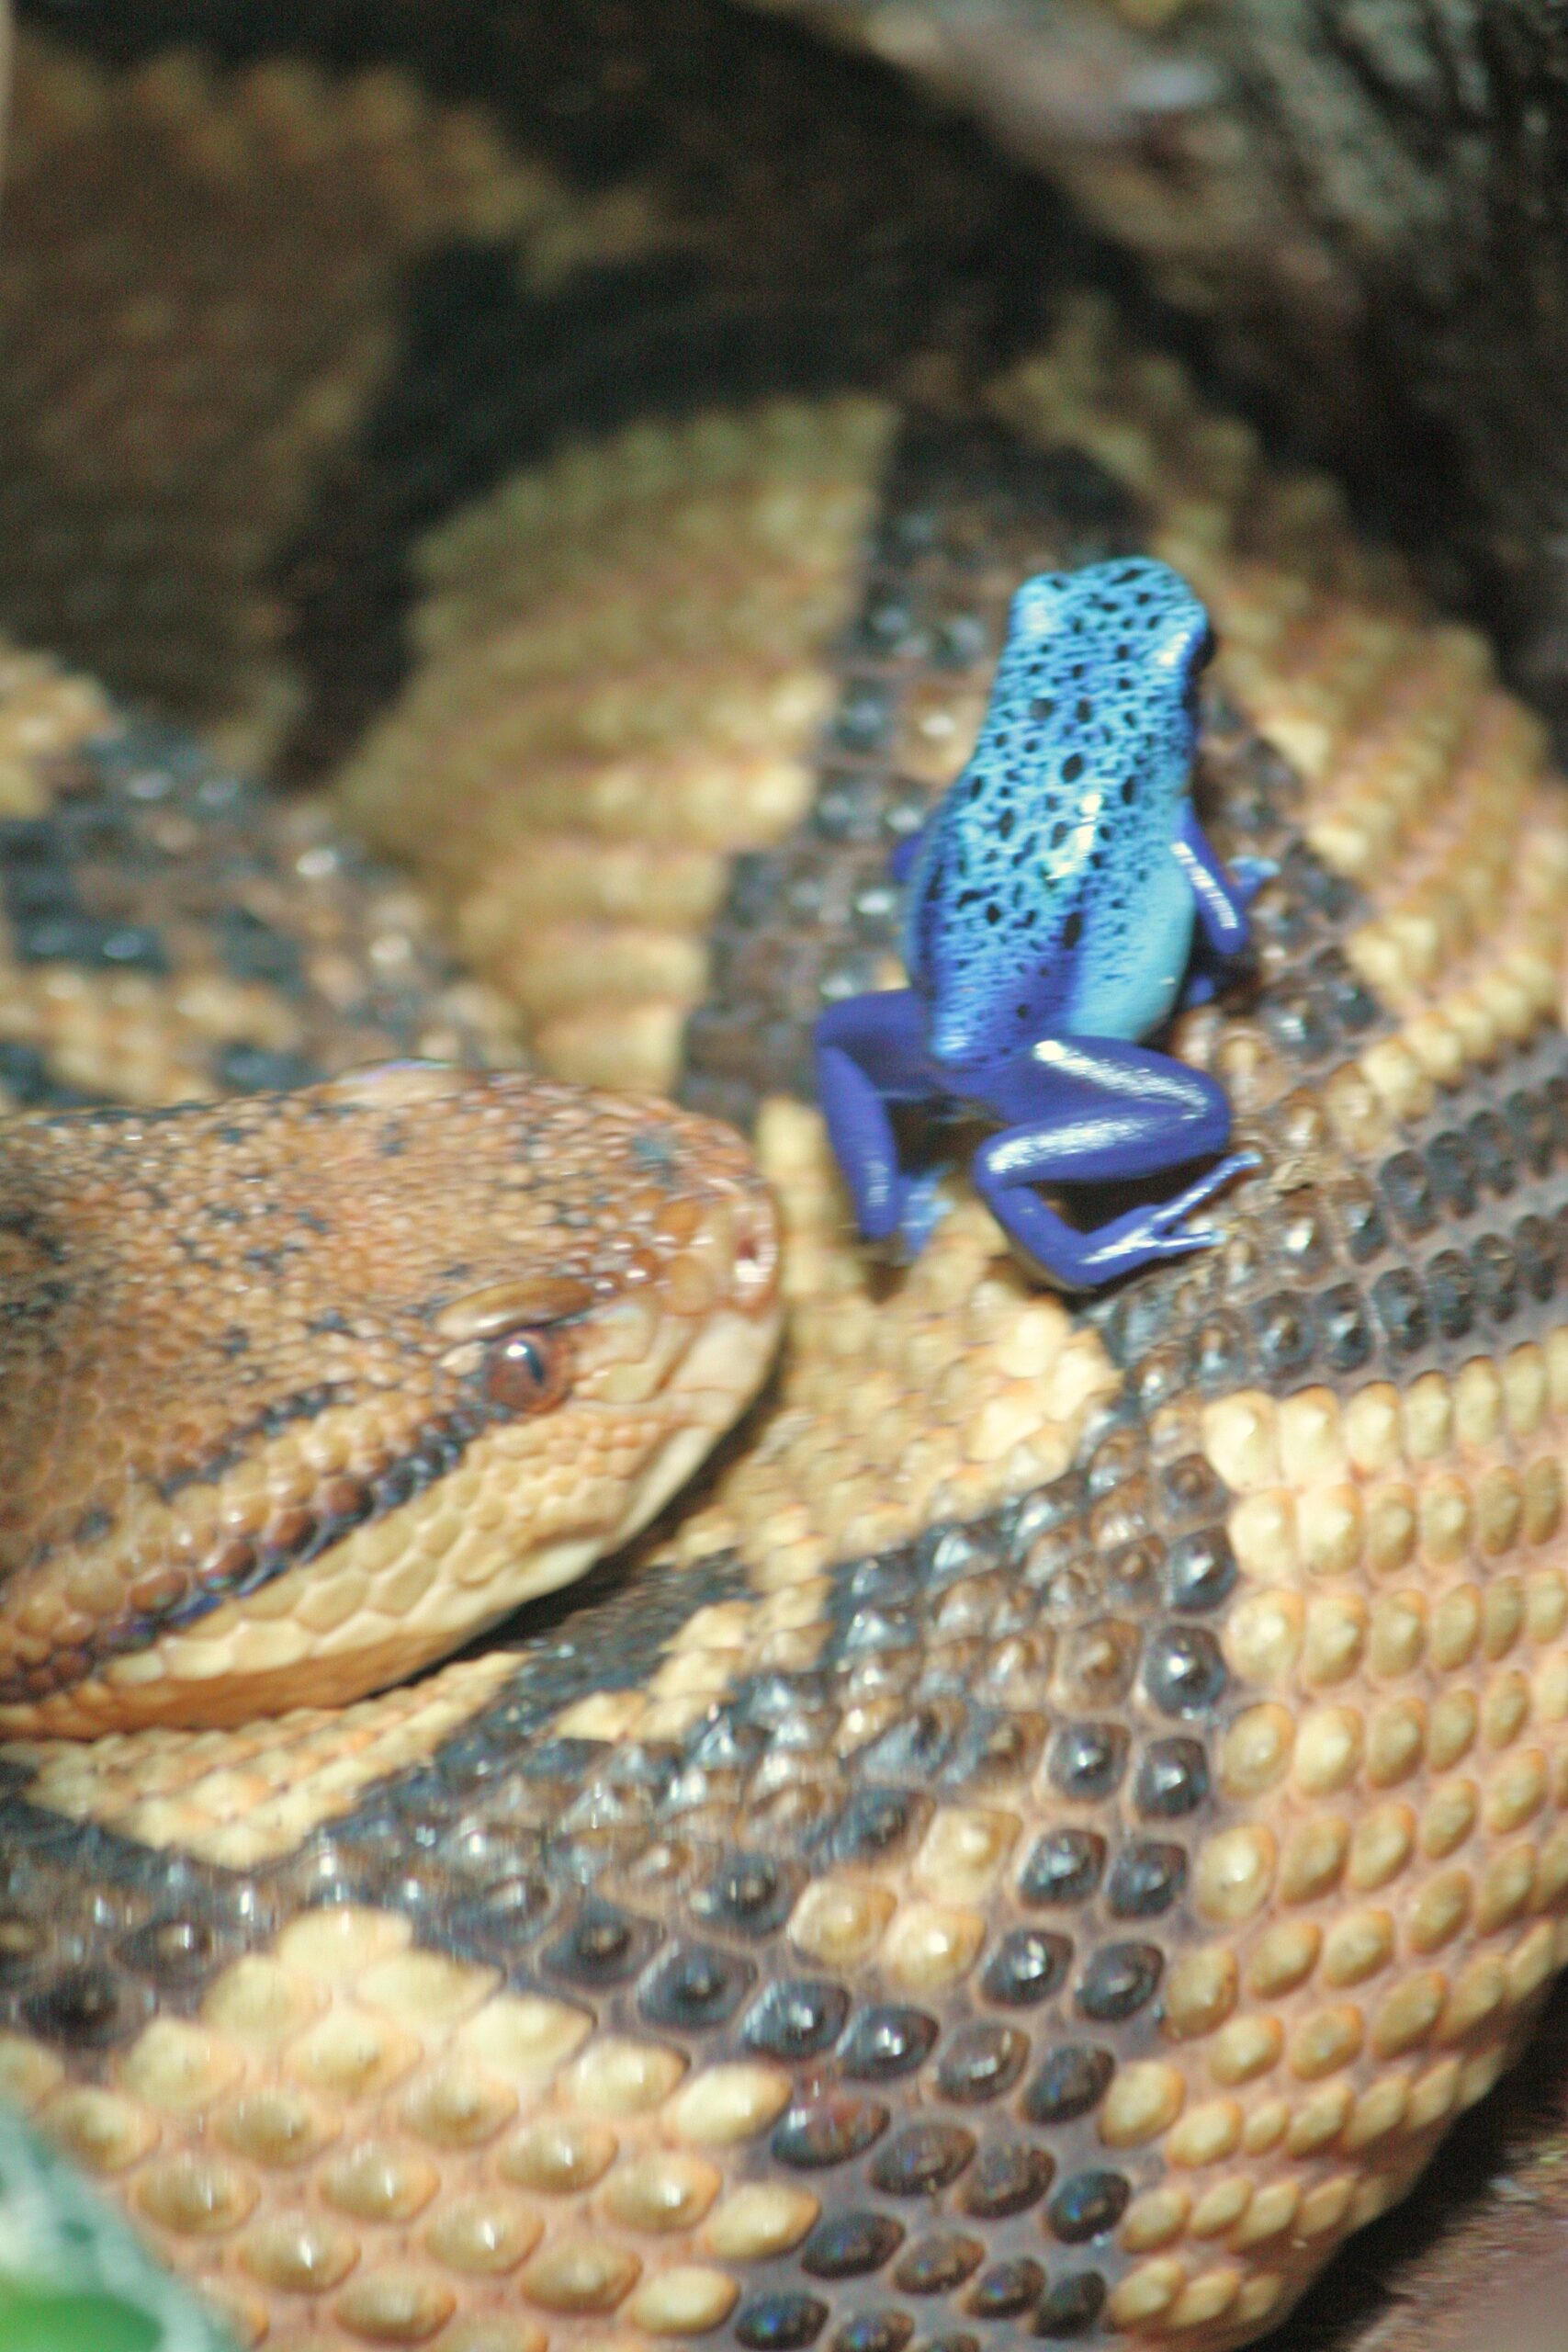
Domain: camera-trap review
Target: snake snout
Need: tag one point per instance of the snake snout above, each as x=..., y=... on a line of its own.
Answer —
x=754, y=1255
x=731, y=1260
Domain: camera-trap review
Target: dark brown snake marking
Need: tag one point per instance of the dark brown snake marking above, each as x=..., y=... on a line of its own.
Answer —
x=1044, y=1846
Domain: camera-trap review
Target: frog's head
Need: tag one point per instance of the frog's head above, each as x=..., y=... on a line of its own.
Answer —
x=1138, y=622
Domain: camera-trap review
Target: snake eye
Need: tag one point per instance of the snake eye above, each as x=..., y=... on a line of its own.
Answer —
x=524, y=1371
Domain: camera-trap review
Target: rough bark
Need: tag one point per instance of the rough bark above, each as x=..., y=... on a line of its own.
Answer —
x=1365, y=201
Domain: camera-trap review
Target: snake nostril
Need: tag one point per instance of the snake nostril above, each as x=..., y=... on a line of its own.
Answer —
x=756, y=1256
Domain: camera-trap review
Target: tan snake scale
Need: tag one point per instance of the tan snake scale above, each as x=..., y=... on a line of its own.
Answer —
x=1040, y=1844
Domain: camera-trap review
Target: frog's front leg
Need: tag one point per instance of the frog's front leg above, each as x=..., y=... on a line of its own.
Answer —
x=1099, y=1111
x=1221, y=895
x=870, y=1051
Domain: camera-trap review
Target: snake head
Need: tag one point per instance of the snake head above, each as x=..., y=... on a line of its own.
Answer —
x=299, y=1392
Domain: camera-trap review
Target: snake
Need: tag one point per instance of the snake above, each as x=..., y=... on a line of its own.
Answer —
x=529, y=1821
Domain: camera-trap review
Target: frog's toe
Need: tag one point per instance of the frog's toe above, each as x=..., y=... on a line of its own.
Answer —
x=1250, y=874
x=1224, y=1173
x=1144, y=1235
x=924, y=1208
x=1184, y=1241
x=1174, y=1213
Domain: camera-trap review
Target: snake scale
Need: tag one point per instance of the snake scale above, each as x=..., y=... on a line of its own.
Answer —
x=1041, y=1840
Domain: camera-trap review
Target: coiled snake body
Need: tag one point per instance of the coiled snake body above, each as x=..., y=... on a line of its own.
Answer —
x=1046, y=1840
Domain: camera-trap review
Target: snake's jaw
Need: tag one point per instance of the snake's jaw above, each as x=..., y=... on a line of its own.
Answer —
x=657, y=1376
x=529, y=1312
x=702, y=1349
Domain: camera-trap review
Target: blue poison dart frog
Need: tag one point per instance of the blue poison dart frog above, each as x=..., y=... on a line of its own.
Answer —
x=1049, y=927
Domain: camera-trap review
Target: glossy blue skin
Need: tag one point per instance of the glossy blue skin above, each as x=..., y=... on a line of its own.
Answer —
x=1056, y=898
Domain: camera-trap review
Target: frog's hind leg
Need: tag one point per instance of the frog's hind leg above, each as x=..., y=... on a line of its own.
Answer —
x=870, y=1051
x=1095, y=1111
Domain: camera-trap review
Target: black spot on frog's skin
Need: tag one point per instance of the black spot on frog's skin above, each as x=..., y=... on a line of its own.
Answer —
x=235, y=1341
x=1072, y=930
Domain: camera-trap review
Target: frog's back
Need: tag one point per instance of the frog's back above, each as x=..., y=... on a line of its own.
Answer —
x=1046, y=899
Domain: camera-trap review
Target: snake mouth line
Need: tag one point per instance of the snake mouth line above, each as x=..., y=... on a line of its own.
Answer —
x=175, y=1597
x=697, y=1373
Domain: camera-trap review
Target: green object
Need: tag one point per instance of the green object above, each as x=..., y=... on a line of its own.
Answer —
x=34, y=2321
x=74, y=2276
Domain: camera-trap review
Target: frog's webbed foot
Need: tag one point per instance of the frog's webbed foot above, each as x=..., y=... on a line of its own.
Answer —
x=1140, y=1237
x=924, y=1209
x=1088, y=1110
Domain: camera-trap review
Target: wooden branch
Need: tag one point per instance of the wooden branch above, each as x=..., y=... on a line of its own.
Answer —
x=1366, y=203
